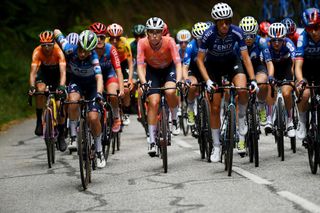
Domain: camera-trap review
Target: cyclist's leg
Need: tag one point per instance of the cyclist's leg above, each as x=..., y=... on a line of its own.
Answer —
x=112, y=85
x=40, y=104
x=191, y=100
x=73, y=109
x=126, y=98
x=262, y=77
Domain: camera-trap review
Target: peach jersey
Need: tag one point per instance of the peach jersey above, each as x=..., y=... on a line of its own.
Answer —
x=57, y=57
x=161, y=58
x=123, y=48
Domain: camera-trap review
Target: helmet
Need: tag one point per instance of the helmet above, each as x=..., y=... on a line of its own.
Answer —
x=310, y=17
x=115, y=30
x=165, y=30
x=221, y=11
x=88, y=40
x=290, y=25
x=277, y=30
x=198, y=29
x=73, y=38
x=138, y=30
x=183, y=35
x=264, y=26
x=46, y=36
x=98, y=28
x=155, y=23
x=249, y=25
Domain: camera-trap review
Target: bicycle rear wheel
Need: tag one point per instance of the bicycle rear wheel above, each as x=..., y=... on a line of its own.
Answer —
x=84, y=152
x=183, y=118
x=143, y=115
x=202, y=144
x=254, y=135
x=313, y=145
x=206, y=128
x=231, y=131
x=107, y=134
x=280, y=129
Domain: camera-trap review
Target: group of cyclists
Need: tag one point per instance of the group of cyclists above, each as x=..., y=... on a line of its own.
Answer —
x=101, y=59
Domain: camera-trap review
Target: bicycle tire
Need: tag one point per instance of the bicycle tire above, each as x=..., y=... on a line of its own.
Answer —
x=254, y=135
x=184, y=116
x=164, y=141
x=280, y=129
x=107, y=133
x=202, y=145
x=231, y=131
x=293, y=141
x=118, y=137
x=83, y=152
x=313, y=144
x=143, y=114
x=48, y=132
x=113, y=144
x=206, y=128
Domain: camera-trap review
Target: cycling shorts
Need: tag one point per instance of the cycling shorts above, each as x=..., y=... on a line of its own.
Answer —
x=49, y=75
x=194, y=71
x=158, y=77
x=125, y=69
x=282, y=70
x=309, y=70
x=258, y=67
x=109, y=76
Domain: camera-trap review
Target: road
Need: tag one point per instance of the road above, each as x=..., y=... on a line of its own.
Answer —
x=134, y=182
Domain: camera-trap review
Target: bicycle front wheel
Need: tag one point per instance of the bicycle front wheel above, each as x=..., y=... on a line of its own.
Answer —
x=165, y=137
x=84, y=152
x=313, y=145
x=231, y=131
x=183, y=117
x=280, y=129
x=206, y=128
x=49, y=137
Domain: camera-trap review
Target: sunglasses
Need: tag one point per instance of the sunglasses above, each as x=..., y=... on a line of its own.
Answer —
x=277, y=40
x=224, y=21
x=154, y=32
x=101, y=37
x=115, y=37
x=249, y=36
x=47, y=45
x=183, y=42
x=314, y=27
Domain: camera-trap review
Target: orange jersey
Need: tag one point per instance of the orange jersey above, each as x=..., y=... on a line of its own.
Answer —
x=123, y=48
x=161, y=58
x=57, y=57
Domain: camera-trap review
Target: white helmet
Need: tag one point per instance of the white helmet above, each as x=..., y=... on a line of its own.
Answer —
x=183, y=35
x=154, y=23
x=277, y=30
x=73, y=38
x=198, y=29
x=221, y=11
x=249, y=25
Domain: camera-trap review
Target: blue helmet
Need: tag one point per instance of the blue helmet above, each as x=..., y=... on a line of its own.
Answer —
x=73, y=38
x=290, y=25
x=310, y=16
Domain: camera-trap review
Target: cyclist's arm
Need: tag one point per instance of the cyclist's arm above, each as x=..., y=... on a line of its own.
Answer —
x=202, y=68
x=130, y=62
x=140, y=62
x=176, y=59
x=117, y=67
x=270, y=68
x=247, y=63
x=99, y=80
x=63, y=68
x=185, y=69
x=298, y=69
x=35, y=65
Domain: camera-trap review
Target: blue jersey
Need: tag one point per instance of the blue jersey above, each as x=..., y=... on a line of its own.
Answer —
x=105, y=59
x=222, y=48
x=82, y=70
x=258, y=50
x=190, y=56
x=307, y=48
x=286, y=52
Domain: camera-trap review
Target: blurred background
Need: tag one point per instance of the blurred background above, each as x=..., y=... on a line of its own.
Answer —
x=21, y=21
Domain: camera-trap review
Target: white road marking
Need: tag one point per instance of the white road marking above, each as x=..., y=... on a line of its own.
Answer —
x=251, y=176
x=311, y=207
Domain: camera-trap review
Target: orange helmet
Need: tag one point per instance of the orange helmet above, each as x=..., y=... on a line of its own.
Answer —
x=46, y=36
x=115, y=30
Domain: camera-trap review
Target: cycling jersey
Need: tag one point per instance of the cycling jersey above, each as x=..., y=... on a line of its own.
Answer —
x=190, y=59
x=307, y=48
x=49, y=72
x=81, y=70
x=294, y=38
x=133, y=46
x=123, y=48
x=287, y=51
x=222, y=48
x=161, y=58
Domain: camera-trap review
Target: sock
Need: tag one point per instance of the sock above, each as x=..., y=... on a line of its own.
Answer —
x=152, y=132
x=216, y=137
x=97, y=143
x=73, y=127
x=242, y=110
x=39, y=116
x=303, y=117
x=190, y=105
x=174, y=112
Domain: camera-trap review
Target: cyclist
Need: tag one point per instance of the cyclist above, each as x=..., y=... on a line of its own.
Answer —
x=256, y=47
x=291, y=27
x=166, y=31
x=86, y=80
x=111, y=70
x=183, y=38
x=190, y=68
x=72, y=38
x=282, y=51
x=217, y=46
x=162, y=68
x=115, y=32
x=307, y=61
x=48, y=68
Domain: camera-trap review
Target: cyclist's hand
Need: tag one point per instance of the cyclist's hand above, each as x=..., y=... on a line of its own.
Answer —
x=179, y=84
x=301, y=85
x=254, y=86
x=130, y=84
x=121, y=93
x=145, y=86
x=99, y=97
x=211, y=86
x=188, y=82
x=32, y=90
x=61, y=92
x=271, y=80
